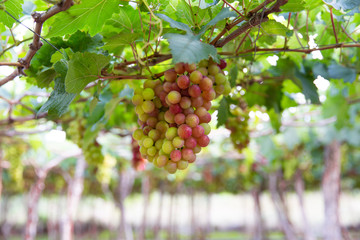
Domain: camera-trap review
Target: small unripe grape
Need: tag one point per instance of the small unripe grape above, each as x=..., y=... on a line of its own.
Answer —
x=137, y=99
x=227, y=89
x=207, y=128
x=151, y=151
x=174, y=97
x=148, y=94
x=167, y=147
x=162, y=126
x=157, y=102
x=184, y=131
x=219, y=89
x=178, y=142
x=155, y=134
x=183, y=82
x=171, y=133
x=148, y=142
x=161, y=161
x=197, y=149
x=213, y=69
x=195, y=77
x=220, y=78
x=159, y=143
x=139, y=110
x=179, y=68
x=148, y=106
x=143, y=117
x=170, y=75
x=203, y=71
x=175, y=155
x=182, y=165
x=161, y=116
x=203, y=63
x=143, y=150
x=138, y=134
x=171, y=167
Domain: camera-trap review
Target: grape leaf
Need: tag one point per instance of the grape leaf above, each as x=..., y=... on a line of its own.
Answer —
x=233, y=75
x=83, y=69
x=14, y=8
x=58, y=101
x=204, y=4
x=337, y=71
x=273, y=27
x=223, y=112
x=224, y=13
x=293, y=6
x=344, y=4
x=175, y=24
x=90, y=13
x=189, y=49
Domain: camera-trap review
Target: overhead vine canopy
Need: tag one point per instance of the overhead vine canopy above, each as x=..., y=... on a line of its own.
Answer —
x=82, y=59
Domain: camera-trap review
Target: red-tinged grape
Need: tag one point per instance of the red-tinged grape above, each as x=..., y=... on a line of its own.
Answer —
x=171, y=167
x=151, y=121
x=171, y=133
x=188, y=154
x=170, y=75
x=195, y=77
x=192, y=120
x=175, y=109
x=203, y=141
x=183, y=82
x=206, y=84
x=182, y=165
x=188, y=111
x=148, y=94
x=190, y=67
x=190, y=143
x=147, y=129
x=137, y=99
x=179, y=68
x=169, y=117
x=198, y=131
x=154, y=113
x=207, y=128
x=194, y=91
x=209, y=95
x=206, y=118
x=178, y=142
x=147, y=142
x=158, y=89
x=207, y=105
x=184, y=93
x=184, y=131
x=197, y=102
x=201, y=111
x=185, y=102
x=179, y=118
x=175, y=87
x=222, y=64
x=167, y=86
x=148, y=106
x=175, y=155
x=174, y=97
x=161, y=161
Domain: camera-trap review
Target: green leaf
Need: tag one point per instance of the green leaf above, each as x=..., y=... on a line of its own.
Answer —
x=234, y=71
x=175, y=24
x=336, y=106
x=308, y=87
x=223, y=112
x=337, y=71
x=293, y=6
x=273, y=27
x=58, y=101
x=45, y=77
x=204, y=4
x=343, y=4
x=224, y=13
x=14, y=8
x=83, y=69
x=189, y=49
x=91, y=133
x=91, y=14
x=275, y=119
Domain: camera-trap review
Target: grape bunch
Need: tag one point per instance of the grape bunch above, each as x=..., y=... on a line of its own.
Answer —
x=174, y=116
x=238, y=125
x=92, y=152
x=138, y=162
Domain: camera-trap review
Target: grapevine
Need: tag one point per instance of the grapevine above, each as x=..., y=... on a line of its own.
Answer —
x=173, y=114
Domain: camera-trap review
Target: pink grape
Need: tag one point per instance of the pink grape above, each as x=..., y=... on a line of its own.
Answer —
x=203, y=141
x=192, y=120
x=183, y=82
x=184, y=131
x=194, y=91
x=198, y=131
